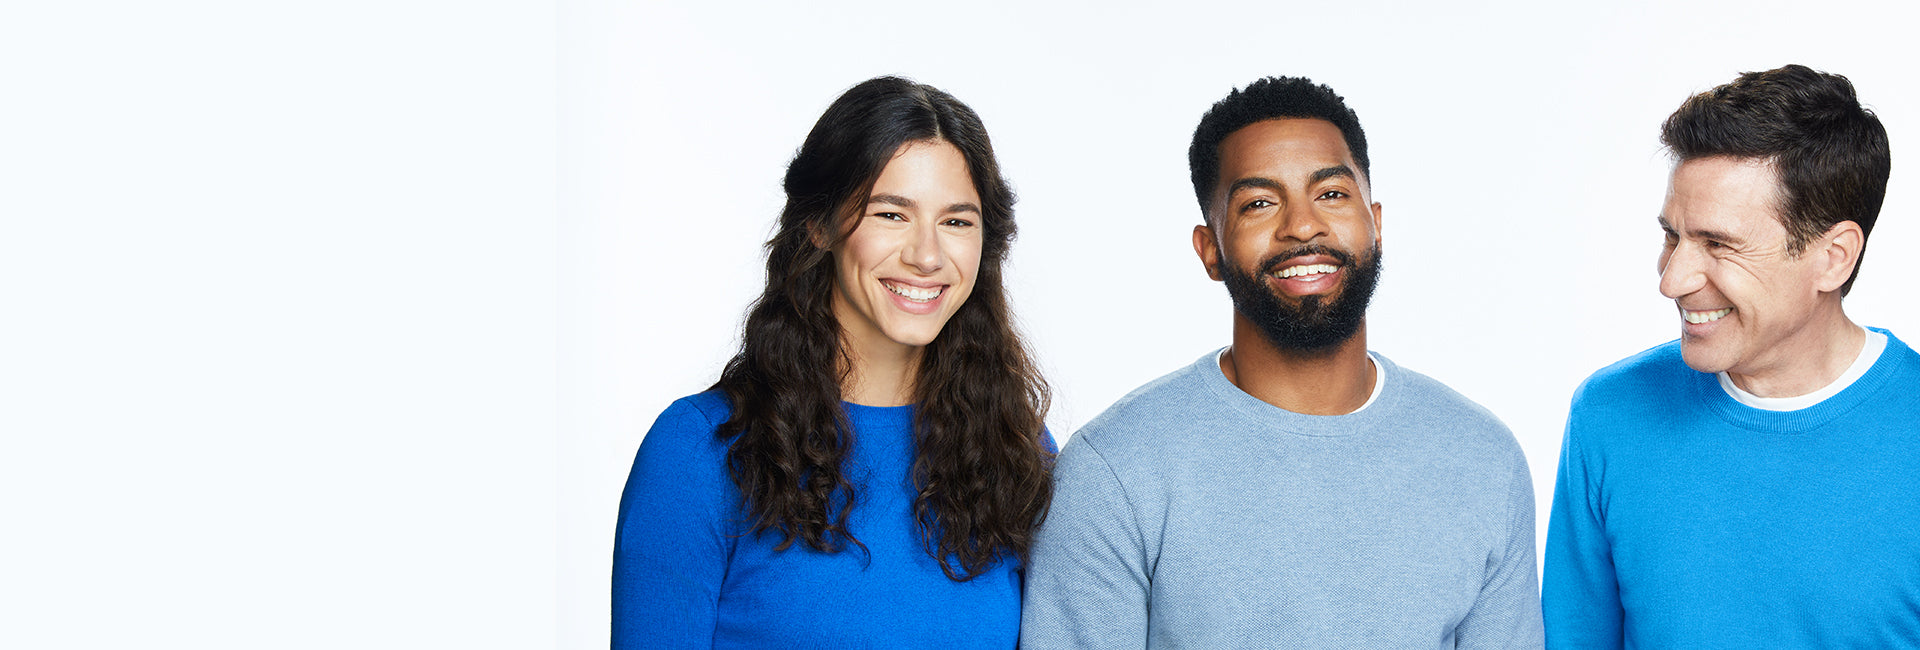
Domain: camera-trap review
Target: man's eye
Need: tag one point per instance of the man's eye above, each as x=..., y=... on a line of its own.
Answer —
x=1334, y=194
x=959, y=223
x=891, y=216
x=1714, y=244
x=1257, y=204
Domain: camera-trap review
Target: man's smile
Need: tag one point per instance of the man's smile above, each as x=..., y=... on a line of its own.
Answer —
x=1305, y=269
x=1306, y=272
x=1707, y=316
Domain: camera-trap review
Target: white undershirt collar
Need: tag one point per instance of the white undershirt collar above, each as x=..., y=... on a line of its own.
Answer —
x=1379, y=381
x=1379, y=376
x=1869, y=353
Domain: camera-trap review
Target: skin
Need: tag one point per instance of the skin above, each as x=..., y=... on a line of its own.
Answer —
x=1284, y=183
x=1786, y=334
x=918, y=230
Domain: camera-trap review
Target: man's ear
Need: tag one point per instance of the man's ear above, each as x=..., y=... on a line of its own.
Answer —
x=1208, y=248
x=1377, y=232
x=1839, y=252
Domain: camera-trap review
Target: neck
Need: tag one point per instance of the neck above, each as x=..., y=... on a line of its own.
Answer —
x=1815, y=356
x=881, y=375
x=1334, y=381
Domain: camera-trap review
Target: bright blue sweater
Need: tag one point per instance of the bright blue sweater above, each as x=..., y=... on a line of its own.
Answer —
x=686, y=573
x=1684, y=519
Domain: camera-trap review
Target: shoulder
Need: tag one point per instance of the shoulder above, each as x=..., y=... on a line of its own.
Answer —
x=678, y=497
x=1899, y=353
x=685, y=430
x=1630, y=406
x=701, y=410
x=1894, y=378
x=1144, y=416
x=1438, y=402
x=1654, y=371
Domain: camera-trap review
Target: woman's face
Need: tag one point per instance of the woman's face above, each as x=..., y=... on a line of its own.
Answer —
x=911, y=259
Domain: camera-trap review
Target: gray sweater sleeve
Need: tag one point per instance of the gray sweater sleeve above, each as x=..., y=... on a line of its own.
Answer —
x=1088, y=579
x=1507, y=613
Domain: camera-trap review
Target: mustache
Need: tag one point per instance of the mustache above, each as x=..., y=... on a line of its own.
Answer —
x=1273, y=263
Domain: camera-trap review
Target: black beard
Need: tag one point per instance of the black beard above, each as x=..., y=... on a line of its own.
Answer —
x=1317, y=324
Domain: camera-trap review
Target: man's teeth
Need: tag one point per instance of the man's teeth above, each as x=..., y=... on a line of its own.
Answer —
x=915, y=294
x=1305, y=269
x=1698, y=317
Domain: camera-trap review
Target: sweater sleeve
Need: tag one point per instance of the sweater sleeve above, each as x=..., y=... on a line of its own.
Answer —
x=1581, y=595
x=1087, y=583
x=670, y=549
x=1507, y=613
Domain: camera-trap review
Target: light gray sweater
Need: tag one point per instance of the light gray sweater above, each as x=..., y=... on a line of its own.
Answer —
x=1193, y=515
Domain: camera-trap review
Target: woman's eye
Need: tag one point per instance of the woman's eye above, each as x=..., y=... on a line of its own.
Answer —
x=891, y=216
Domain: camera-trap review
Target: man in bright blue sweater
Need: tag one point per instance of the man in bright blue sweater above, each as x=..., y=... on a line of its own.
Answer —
x=1754, y=483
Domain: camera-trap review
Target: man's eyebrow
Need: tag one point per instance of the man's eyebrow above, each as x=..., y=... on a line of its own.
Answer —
x=1703, y=233
x=1255, y=181
x=1330, y=172
x=892, y=199
x=963, y=207
x=1715, y=235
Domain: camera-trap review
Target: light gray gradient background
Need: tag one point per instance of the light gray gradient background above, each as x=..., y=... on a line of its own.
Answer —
x=338, y=324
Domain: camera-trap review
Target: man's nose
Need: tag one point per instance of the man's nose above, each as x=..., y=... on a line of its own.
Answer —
x=1680, y=271
x=1302, y=222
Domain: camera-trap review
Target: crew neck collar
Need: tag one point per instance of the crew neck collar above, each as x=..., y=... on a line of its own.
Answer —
x=1706, y=387
x=1387, y=390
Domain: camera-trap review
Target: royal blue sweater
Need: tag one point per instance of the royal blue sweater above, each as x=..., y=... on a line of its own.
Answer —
x=1684, y=519
x=687, y=573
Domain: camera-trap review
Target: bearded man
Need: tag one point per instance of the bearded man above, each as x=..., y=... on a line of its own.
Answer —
x=1292, y=489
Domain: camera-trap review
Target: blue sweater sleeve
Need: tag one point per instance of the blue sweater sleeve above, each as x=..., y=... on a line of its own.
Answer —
x=1507, y=613
x=1088, y=578
x=1580, y=597
x=672, y=544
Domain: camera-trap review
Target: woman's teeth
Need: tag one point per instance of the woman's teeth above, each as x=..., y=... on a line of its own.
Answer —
x=915, y=294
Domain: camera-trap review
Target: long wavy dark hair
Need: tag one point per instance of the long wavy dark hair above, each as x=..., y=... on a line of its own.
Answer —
x=981, y=470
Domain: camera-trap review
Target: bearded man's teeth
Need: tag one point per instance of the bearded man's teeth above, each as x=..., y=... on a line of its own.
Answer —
x=1305, y=269
x=1698, y=317
x=915, y=294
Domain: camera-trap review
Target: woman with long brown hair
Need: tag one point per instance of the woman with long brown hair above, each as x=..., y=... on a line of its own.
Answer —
x=871, y=465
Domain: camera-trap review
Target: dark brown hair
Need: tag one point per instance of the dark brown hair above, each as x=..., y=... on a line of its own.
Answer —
x=1830, y=153
x=1268, y=98
x=982, y=470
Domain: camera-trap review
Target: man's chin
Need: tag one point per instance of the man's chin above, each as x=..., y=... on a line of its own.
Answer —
x=1701, y=359
x=1310, y=307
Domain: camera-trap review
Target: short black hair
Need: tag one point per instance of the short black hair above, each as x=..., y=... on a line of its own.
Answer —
x=1266, y=99
x=1830, y=153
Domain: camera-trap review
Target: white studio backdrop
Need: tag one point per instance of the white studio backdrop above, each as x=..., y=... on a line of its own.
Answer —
x=278, y=324
x=338, y=324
